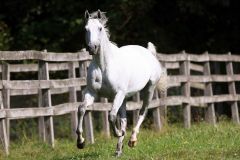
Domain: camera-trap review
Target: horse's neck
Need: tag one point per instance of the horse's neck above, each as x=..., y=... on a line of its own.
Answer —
x=105, y=54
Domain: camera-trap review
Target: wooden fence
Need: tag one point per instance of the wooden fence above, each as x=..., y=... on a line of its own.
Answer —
x=190, y=71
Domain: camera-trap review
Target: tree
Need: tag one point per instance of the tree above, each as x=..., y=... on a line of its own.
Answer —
x=57, y=25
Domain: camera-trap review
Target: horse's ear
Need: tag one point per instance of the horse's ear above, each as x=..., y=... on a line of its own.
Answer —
x=87, y=15
x=99, y=14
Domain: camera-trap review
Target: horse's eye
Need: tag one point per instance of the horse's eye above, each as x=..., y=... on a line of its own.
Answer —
x=100, y=28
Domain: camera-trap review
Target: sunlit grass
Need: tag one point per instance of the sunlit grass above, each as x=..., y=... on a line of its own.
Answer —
x=201, y=141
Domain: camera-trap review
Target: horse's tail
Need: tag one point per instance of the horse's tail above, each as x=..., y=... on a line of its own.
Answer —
x=162, y=85
x=152, y=48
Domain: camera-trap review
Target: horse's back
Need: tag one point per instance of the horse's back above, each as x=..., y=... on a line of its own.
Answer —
x=135, y=51
x=141, y=63
x=140, y=58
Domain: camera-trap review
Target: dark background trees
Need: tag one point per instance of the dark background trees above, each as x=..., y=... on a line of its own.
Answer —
x=57, y=25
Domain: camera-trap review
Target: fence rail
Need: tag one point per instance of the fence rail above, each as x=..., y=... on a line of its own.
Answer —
x=181, y=64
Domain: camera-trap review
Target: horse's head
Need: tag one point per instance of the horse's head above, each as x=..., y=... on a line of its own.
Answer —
x=94, y=31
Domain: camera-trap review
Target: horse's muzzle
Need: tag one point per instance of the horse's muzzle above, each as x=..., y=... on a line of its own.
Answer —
x=92, y=49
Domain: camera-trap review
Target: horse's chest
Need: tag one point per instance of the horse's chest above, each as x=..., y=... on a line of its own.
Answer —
x=100, y=83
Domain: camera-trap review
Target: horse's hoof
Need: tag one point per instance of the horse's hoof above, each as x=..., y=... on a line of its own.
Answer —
x=118, y=153
x=80, y=145
x=132, y=143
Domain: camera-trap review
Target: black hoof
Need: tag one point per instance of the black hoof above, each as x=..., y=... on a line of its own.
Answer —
x=80, y=145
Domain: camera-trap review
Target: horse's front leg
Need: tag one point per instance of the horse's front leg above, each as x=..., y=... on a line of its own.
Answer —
x=118, y=100
x=88, y=100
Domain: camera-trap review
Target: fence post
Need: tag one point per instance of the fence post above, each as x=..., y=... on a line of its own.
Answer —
x=163, y=109
x=46, y=129
x=3, y=130
x=136, y=98
x=106, y=126
x=88, y=116
x=185, y=70
x=210, y=110
x=72, y=98
x=6, y=95
x=232, y=91
x=156, y=114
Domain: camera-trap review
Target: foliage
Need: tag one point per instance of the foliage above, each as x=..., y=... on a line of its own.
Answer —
x=5, y=38
x=57, y=25
x=201, y=141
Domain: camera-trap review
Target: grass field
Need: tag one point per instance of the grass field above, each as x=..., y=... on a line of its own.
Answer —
x=202, y=141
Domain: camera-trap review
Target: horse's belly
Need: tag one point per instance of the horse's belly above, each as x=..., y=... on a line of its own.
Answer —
x=106, y=90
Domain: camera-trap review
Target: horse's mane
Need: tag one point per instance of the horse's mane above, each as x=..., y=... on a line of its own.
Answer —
x=103, y=20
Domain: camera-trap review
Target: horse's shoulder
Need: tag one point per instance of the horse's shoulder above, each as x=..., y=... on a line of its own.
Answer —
x=93, y=70
x=93, y=67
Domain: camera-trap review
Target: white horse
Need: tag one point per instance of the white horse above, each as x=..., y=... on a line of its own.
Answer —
x=117, y=73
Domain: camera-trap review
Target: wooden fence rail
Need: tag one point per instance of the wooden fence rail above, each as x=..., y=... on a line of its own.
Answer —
x=181, y=69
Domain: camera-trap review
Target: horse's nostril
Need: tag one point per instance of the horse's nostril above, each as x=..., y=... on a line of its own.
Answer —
x=88, y=48
x=95, y=46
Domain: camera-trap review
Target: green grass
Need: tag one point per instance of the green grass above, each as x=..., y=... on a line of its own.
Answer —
x=202, y=141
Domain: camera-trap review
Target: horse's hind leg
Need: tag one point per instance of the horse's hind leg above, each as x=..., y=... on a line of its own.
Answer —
x=123, y=123
x=88, y=100
x=147, y=94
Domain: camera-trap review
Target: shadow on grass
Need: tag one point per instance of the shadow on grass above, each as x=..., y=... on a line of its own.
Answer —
x=91, y=155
